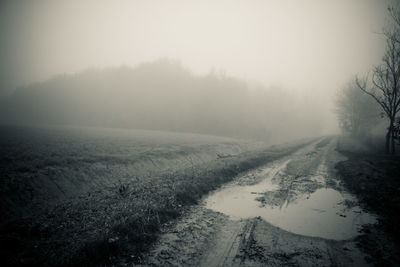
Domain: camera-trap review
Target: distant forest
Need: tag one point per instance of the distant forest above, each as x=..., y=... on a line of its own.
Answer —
x=164, y=95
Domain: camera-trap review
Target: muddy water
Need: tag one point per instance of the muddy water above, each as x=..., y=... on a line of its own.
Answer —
x=323, y=213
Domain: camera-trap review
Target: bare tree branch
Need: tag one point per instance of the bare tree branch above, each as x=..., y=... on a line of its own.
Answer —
x=363, y=88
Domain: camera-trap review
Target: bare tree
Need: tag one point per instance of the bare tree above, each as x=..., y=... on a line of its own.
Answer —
x=383, y=84
x=357, y=112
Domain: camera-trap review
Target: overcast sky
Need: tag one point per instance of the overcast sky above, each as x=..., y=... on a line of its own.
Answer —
x=296, y=44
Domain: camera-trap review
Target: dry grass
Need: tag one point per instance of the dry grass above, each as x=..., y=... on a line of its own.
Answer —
x=374, y=178
x=120, y=220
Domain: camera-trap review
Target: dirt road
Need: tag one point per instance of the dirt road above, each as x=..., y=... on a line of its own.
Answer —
x=292, y=211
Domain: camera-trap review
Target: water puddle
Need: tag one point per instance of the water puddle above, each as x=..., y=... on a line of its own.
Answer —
x=325, y=213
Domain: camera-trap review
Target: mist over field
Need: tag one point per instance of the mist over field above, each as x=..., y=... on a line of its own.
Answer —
x=199, y=133
x=164, y=95
x=251, y=70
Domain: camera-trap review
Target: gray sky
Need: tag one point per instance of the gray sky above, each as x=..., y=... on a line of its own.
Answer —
x=310, y=44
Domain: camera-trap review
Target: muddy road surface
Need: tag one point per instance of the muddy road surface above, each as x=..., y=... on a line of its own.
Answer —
x=292, y=211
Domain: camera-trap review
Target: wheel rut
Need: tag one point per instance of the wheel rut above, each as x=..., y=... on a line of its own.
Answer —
x=207, y=237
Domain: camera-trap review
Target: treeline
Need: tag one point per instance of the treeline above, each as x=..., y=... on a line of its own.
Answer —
x=164, y=95
x=365, y=99
x=358, y=114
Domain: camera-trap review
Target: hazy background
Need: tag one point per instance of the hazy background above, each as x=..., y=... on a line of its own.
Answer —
x=306, y=48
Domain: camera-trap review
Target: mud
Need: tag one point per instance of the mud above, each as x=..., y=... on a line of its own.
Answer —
x=297, y=201
x=293, y=211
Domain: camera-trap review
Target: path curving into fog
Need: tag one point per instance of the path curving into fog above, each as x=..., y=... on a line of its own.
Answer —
x=292, y=211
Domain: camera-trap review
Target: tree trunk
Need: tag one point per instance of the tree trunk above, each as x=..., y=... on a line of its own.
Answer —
x=393, y=142
x=393, y=145
x=388, y=142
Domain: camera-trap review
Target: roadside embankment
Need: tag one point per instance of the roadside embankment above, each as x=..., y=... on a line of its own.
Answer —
x=374, y=178
x=42, y=166
x=122, y=216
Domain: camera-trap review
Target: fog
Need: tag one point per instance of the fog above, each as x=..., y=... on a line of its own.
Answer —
x=164, y=95
x=199, y=132
x=253, y=69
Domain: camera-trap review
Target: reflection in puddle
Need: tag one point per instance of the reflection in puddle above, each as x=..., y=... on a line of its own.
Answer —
x=320, y=214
